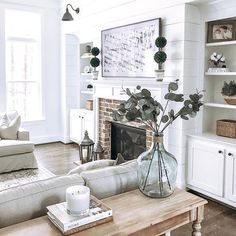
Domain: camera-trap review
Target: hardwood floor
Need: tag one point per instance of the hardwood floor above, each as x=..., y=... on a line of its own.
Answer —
x=57, y=157
x=219, y=219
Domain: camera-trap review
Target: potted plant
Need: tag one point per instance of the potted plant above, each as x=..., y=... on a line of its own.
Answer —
x=95, y=62
x=160, y=57
x=157, y=168
x=229, y=92
x=218, y=61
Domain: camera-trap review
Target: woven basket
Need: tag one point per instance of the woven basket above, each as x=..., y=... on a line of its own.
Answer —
x=226, y=128
x=230, y=100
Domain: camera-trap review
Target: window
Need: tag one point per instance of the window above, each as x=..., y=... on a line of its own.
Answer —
x=23, y=63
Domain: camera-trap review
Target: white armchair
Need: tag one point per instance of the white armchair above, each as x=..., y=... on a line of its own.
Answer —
x=17, y=153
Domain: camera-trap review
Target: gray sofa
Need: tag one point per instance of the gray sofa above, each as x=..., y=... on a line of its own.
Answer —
x=28, y=201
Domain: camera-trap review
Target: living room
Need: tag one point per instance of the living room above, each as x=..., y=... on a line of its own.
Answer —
x=49, y=91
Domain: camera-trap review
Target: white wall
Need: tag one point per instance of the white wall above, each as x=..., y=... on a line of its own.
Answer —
x=49, y=129
x=180, y=25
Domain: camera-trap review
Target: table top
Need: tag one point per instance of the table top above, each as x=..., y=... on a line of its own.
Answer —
x=132, y=212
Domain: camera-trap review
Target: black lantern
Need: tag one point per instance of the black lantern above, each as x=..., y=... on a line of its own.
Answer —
x=98, y=152
x=86, y=148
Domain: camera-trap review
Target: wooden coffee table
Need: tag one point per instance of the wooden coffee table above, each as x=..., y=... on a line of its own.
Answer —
x=134, y=214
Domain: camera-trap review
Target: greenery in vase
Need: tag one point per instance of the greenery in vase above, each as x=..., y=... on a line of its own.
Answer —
x=229, y=89
x=141, y=106
x=95, y=62
x=160, y=56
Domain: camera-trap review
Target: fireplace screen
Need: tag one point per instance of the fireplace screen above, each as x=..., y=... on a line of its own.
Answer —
x=127, y=140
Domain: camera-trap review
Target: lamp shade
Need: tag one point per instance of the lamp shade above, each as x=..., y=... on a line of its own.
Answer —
x=67, y=16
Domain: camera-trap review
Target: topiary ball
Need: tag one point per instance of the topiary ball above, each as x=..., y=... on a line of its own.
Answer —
x=95, y=62
x=160, y=57
x=95, y=51
x=161, y=42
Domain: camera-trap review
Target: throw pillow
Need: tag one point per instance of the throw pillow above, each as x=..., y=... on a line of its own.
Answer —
x=5, y=121
x=10, y=132
x=119, y=159
x=92, y=165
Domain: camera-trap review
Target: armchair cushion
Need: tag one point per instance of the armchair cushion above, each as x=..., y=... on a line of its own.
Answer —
x=10, y=132
x=13, y=147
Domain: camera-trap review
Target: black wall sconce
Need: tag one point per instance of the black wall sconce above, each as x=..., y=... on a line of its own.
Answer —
x=67, y=16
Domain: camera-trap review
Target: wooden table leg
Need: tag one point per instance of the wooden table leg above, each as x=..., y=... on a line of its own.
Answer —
x=197, y=228
x=197, y=223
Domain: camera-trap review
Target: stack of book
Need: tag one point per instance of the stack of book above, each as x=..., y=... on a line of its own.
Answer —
x=98, y=213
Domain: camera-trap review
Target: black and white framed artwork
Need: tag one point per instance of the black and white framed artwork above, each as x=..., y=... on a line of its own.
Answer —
x=127, y=51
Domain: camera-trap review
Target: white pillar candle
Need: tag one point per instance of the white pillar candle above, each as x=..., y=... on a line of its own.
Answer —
x=77, y=199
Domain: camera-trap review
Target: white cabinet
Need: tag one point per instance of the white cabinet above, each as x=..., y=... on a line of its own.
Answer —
x=81, y=120
x=203, y=158
x=230, y=190
x=212, y=169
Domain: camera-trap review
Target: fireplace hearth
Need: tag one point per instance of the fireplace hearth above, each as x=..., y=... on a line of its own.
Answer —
x=128, y=140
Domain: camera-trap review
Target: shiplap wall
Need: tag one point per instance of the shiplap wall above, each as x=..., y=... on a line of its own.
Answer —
x=180, y=25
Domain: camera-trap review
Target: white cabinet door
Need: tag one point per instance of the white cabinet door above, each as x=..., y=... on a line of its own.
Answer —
x=88, y=125
x=75, y=126
x=230, y=175
x=206, y=166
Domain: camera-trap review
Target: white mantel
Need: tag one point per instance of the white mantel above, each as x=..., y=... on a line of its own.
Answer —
x=113, y=88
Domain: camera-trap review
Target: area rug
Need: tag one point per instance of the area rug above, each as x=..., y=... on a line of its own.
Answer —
x=15, y=178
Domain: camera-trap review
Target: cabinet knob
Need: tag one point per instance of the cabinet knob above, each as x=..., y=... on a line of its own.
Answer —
x=220, y=151
x=230, y=154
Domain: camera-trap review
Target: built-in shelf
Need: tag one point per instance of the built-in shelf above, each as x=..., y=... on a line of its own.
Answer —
x=213, y=137
x=220, y=73
x=87, y=74
x=221, y=43
x=86, y=55
x=219, y=105
x=86, y=92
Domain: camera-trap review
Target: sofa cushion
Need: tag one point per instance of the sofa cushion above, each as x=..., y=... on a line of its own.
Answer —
x=10, y=131
x=112, y=180
x=92, y=165
x=12, y=147
x=30, y=200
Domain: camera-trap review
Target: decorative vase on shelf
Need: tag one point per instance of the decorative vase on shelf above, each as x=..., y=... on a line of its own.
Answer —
x=157, y=170
x=95, y=74
x=159, y=75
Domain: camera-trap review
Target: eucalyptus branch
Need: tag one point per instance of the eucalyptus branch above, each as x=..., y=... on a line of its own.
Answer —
x=163, y=113
x=171, y=120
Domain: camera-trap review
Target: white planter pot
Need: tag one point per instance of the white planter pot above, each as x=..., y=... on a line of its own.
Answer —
x=95, y=74
x=159, y=75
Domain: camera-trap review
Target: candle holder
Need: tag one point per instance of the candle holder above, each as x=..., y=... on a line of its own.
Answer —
x=77, y=200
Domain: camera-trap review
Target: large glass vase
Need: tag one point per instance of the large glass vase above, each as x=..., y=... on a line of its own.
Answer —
x=157, y=170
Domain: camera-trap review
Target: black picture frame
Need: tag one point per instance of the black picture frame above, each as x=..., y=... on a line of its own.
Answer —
x=221, y=31
x=128, y=50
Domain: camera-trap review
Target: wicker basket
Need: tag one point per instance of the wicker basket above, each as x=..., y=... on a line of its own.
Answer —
x=230, y=100
x=226, y=128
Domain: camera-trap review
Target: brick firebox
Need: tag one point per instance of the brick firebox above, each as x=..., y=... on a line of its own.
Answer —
x=105, y=108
